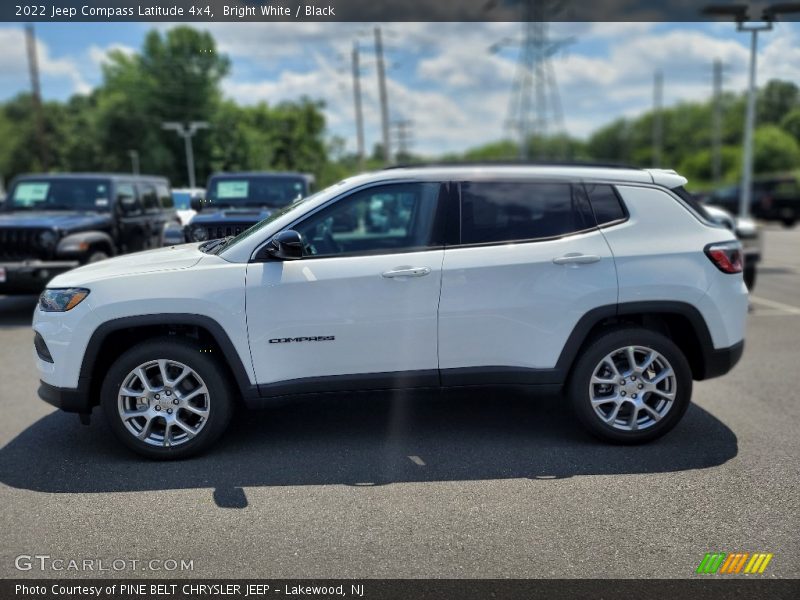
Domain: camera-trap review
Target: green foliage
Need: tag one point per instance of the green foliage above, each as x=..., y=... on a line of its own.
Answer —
x=791, y=123
x=774, y=150
x=176, y=76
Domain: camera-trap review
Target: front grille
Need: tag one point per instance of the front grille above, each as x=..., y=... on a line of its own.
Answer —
x=17, y=243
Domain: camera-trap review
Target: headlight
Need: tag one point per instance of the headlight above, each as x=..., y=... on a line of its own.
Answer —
x=199, y=234
x=61, y=300
x=47, y=239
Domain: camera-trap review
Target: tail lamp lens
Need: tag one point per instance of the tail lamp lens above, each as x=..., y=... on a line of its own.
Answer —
x=727, y=256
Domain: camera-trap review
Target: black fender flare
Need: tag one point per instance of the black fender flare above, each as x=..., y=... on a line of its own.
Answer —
x=218, y=333
x=72, y=243
x=585, y=324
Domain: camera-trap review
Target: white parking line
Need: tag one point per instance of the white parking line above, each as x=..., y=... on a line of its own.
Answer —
x=417, y=460
x=787, y=308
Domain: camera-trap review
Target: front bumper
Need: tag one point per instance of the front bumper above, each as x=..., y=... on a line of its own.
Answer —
x=69, y=400
x=31, y=277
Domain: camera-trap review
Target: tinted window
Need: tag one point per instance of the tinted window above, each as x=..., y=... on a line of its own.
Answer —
x=387, y=218
x=149, y=198
x=164, y=196
x=605, y=203
x=60, y=194
x=256, y=190
x=693, y=202
x=508, y=211
x=126, y=200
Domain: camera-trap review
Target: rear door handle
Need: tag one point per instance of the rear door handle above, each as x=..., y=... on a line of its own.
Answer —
x=576, y=259
x=407, y=272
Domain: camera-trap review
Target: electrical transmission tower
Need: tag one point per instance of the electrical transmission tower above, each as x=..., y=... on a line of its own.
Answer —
x=535, y=110
x=403, y=137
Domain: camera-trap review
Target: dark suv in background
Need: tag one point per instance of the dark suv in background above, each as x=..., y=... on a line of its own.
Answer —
x=52, y=223
x=775, y=198
x=236, y=201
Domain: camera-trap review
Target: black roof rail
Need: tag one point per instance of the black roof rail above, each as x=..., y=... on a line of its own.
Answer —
x=513, y=163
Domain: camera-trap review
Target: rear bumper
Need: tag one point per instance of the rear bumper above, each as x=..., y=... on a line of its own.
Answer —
x=69, y=400
x=31, y=277
x=720, y=361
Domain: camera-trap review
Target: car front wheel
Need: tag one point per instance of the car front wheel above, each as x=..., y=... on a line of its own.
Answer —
x=165, y=399
x=630, y=385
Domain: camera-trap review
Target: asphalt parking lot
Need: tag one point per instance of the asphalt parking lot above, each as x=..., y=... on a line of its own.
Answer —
x=496, y=485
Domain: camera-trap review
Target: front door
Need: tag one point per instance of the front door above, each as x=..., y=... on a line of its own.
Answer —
x=359, y=310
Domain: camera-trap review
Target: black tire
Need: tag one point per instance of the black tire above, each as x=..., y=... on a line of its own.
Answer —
x=220, y=403
x=750, y=277
x=595, y=351
x=788, y=221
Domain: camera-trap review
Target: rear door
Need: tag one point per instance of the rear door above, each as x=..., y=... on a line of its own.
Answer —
x=530, y=263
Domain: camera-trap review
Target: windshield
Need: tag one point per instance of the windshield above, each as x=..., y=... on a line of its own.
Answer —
x=60, y=194
x=259, y=190
x=182, y=200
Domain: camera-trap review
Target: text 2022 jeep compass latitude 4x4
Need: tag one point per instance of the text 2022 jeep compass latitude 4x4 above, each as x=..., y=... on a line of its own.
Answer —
x=610, y=282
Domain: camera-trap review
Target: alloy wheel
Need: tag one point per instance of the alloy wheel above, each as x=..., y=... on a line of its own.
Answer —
x=163, y=403
x=632, y=388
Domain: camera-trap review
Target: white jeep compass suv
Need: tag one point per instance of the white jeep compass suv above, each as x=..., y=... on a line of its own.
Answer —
x=610, y=282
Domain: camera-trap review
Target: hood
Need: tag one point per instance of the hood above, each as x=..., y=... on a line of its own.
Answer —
x=54, y=219
x=150, y=261
x=234, y=215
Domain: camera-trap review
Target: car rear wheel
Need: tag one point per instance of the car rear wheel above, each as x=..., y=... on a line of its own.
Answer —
x=164, y=399
x=630, y=385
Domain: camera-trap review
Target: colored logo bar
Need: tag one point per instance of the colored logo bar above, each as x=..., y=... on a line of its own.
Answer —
x=734, y=562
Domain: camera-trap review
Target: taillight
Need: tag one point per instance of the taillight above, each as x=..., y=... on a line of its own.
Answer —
x=726, y=256
x=766, y=202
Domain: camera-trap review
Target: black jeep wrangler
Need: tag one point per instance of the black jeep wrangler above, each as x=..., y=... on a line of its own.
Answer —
x=237, y=201
x=52, y=223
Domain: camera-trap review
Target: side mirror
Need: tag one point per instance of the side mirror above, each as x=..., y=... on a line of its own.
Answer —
x=286, y=245
x=196, y=204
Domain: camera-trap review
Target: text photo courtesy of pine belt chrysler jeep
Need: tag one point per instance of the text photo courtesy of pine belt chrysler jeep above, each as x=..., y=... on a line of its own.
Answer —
x=611, y=283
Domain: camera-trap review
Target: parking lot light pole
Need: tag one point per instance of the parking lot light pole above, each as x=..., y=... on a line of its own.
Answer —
x=187, y=132
x=134, y=154
x=740, y=14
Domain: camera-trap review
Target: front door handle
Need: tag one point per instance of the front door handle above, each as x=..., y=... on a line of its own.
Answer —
x=574, y=258
x=407, y=272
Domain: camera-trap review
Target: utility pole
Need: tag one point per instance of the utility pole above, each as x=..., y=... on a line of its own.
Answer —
x=387, y=151
x=134, y=154
x=33, y=67
x=741, y=16
x=658, y=117
x=716, y=125
x=187, y=132
x=357, y=103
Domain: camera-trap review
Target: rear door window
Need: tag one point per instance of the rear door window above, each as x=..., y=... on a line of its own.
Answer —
x=508, y=211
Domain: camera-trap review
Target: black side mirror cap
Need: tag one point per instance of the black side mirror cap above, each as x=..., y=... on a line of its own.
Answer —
x=286, y=245
x=196, y=204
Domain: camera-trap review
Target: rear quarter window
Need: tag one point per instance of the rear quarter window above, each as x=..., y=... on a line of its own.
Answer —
x=606, y=204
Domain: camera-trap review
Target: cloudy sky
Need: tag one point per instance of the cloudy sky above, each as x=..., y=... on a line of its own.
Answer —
x=441, y=75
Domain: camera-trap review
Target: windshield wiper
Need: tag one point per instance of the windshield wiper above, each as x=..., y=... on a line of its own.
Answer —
x=217, y=244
